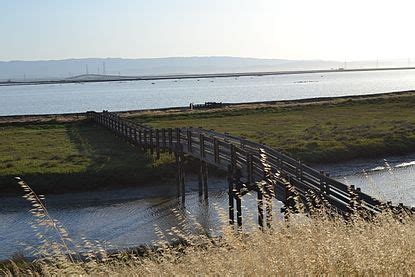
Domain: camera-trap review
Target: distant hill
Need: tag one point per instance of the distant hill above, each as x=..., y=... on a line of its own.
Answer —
x=62, y=69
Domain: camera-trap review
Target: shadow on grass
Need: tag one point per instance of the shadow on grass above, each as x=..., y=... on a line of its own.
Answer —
x=111, y=163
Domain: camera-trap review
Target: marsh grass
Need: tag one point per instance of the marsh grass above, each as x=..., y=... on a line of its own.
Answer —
x=316, y=132
x=74, y=156
x=318, y=244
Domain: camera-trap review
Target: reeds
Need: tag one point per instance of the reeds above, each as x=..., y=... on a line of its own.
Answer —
x=317, y=245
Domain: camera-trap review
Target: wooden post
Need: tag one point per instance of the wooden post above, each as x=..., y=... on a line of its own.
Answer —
x=205, y=179
x=163, y=133
x=145, y=144
x=269, y=194
x=233, y=157
x=260, y=209
x=249, y=167
x=151, y=142
x=178, y=139
x=182, y=173
x=202, y=145
x=157, y=143
x=200, y=177
x=216, y=150
x=300, y=170
x=178, y=173
x=231, y=196
x=135, y=136
x=170, y=140
x=268, y=210
x=238, y=209
x=140, y=138
x=189, y=141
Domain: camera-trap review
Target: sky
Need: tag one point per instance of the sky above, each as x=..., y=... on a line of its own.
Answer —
x=289, y=29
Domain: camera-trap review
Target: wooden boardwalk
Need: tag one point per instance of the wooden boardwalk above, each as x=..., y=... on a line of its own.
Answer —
x=250, y=166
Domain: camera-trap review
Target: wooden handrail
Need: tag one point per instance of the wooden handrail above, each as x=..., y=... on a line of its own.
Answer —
x=224, y=150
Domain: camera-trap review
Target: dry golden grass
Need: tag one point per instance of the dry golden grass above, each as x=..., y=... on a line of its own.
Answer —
x=300, y=247
x=316, y=245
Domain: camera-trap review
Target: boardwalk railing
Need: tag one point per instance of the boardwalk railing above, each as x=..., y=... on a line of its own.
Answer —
x=243, y=157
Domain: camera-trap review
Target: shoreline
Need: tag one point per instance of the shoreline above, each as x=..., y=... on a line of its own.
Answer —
x=76, y=116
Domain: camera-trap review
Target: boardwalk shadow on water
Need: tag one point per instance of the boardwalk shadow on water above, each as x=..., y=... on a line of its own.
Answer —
x=88, y=157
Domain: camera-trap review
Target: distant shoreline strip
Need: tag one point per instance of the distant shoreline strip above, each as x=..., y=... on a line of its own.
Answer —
x=110, y=78
x=322, y=99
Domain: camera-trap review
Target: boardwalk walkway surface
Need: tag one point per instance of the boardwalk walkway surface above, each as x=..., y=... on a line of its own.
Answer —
x=248, y=164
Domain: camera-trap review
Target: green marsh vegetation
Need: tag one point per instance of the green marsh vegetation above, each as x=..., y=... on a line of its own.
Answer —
x=61, y=157
x=332, y=131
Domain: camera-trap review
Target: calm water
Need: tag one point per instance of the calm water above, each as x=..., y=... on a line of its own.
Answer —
x=127, y=218
x=117, y=96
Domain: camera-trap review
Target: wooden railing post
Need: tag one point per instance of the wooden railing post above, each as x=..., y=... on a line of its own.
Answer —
x=151, y=142
x=157, y=143
x=182, y=174
x=216, y=150
x=202, y=145
x=324, y=187
x=260, y=208
x=231, y=196
x=178, y=139
x=170, y=131
x=233, y=157
x=178, y=172
x=249, y=167
x=128, y=133
x=140, y=139
x=189, y=141
x=205, y=179
x=163, y=133
x=235, y=186
x=200, y=178
x=135, y=136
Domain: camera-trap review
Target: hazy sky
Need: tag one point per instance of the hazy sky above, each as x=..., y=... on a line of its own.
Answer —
x=294, y=29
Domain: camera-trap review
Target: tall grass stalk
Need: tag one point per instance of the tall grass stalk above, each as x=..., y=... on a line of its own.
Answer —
x=317, y=245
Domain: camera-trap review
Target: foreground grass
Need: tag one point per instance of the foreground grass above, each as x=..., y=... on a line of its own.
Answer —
x=59, y=157
x=303, y=246
x=315, y=132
